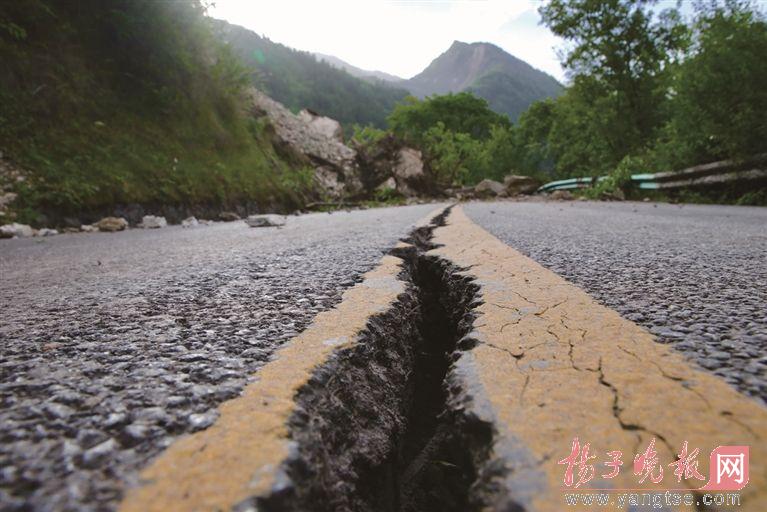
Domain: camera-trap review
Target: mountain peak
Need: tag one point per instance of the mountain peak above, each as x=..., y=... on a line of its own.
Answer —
x=509, y=84
x=358, y=72
x=460, y=44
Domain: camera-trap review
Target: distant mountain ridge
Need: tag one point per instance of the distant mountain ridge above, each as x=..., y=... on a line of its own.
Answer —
x=510, y=85
x=298, y=80
x=359, y=72
x=352, y=95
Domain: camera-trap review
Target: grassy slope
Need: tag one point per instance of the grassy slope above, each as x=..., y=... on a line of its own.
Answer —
x=130, y=102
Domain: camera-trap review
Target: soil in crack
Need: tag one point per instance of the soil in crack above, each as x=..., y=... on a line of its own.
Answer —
x=373, y=430
x=435, y=472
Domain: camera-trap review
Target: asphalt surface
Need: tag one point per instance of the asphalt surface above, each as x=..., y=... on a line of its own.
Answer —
x=694, y=275
x=113, y=345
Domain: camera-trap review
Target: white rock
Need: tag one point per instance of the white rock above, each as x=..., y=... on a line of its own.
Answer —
x=408, y=171
x=88, y=228
x=516, y=184
x=317, y=138
x=153, y=222
x=325, y=126
x=15, y=229
x=111, y=224
x=264, y=221
x=489, y=188
x=327, y=179
x=47, y=232
x=389, y=184
x=189, y=222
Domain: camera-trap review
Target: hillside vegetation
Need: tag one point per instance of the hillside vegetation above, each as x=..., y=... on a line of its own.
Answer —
x=650, y=92
x=351, y=95
x=130, y=101
x=299, y=80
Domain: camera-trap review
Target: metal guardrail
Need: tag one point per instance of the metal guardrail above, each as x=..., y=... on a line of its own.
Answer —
x=714, y=173
x=570, y=184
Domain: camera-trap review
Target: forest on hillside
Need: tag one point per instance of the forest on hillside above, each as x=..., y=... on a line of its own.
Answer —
x=299, y=80
x=651, y=90
x=130, y=101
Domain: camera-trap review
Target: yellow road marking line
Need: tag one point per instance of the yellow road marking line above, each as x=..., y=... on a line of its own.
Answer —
x=554, y=364
x=239, y=456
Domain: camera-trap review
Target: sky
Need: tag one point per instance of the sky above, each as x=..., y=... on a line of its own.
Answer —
x=398, y=37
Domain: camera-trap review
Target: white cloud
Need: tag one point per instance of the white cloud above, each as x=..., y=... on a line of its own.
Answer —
x=399, y=37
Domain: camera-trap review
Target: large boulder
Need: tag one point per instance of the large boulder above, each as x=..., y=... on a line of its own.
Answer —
x=489, y=188
x=322, y=125
x=15, y=229
x=112, y=224
x=265, y=221
x=388, y=158
x=316, y=139
x=408, y=172
x=329, y=181
x=190, y=222
x=153, y=222
x=516, y=185
x=228, y=216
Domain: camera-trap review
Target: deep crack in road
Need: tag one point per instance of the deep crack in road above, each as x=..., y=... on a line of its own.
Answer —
x=113, y=345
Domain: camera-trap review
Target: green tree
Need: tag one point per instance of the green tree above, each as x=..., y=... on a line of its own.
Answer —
x=618, y=55
x=580, y=140
x=720, y=94
x=366, y=135
x=458, y=113
x=531, y=153
x=451, y=156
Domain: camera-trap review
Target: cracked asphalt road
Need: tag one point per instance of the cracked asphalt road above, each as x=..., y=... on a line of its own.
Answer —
x=113, y=345
x=693, y=275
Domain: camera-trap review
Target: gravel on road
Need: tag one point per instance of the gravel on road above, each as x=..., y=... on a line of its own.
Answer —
x=694, y=275
x=114, y=344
